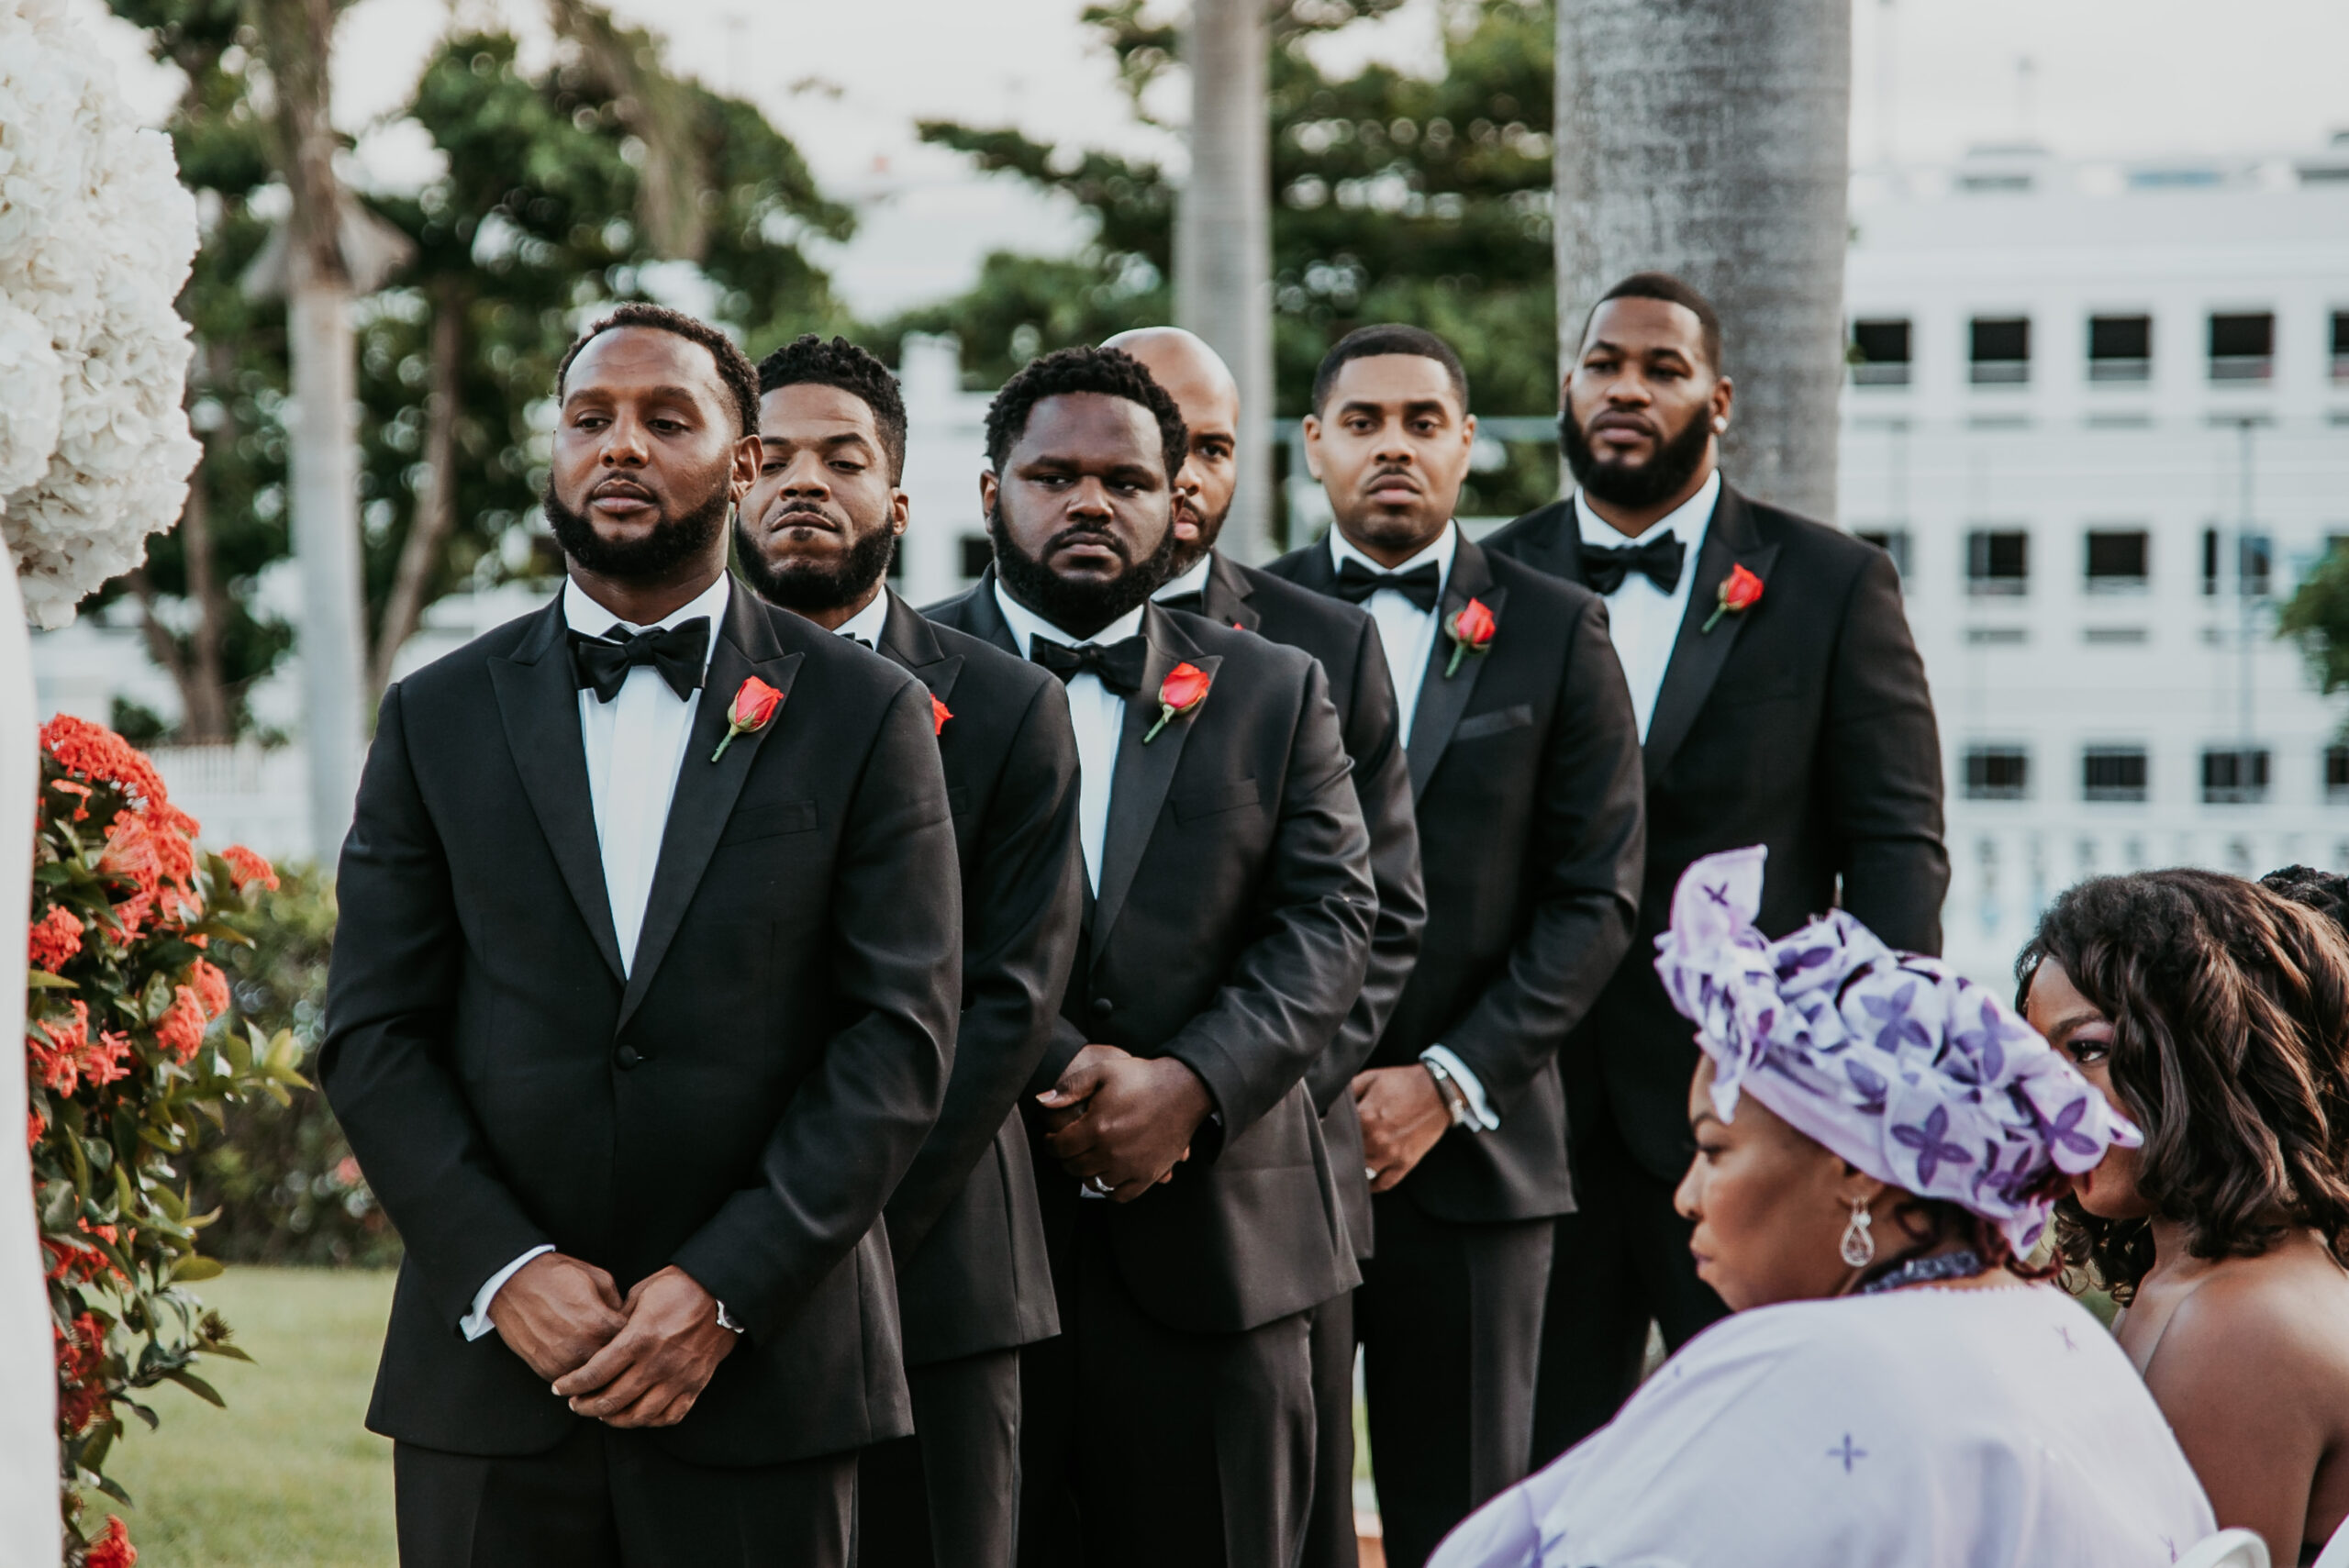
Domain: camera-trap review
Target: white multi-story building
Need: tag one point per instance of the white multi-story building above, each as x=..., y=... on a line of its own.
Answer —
x=2099, y=414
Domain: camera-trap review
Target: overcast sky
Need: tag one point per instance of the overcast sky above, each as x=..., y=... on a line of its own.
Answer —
x=847, y=79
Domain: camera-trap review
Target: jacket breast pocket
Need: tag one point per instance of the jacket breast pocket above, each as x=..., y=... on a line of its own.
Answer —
x=1211, y=799
x=1516, y=716
x=769, y=822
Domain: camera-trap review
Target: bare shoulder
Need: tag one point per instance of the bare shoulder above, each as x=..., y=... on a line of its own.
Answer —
x=2259, y=1330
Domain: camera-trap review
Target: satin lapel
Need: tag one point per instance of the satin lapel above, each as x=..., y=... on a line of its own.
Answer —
x=1442, y=699
x=1144, y=774
x=1226, y=597
x=538, y=699
x=1698, y=656
x=986, y=615
x=1569, y=544
x=906, y=637
x=707, y=791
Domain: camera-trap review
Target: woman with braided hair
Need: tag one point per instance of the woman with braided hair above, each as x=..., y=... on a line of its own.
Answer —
x=2214, y=1015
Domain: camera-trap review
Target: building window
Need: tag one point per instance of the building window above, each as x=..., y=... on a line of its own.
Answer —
x=978, y=553
x=2001, y=351
x=1894, y=543
x=2243, y=346
x=2255, y=564
x=2341, y=345
x=2112, y=772
x=1880, y=353
x=1997, y=561
x=1996, y=773
x=2336, y=772
x=2117, y=559
x=2120, y=347
x=2234, y=775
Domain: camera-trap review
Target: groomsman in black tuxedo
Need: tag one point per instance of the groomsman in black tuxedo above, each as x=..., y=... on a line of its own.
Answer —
x=816, y=535
x=1780, y=701
x=1524, y=764
x=1207, y=581
x=641, y=1004
x=1189, y=1203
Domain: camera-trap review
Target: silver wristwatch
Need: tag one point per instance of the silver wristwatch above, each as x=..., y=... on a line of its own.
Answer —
x=1455, y=1098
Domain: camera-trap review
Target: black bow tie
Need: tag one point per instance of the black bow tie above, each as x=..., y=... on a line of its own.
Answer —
x=680, y=652
x=1421, y=585
x=864, y=642
x=1604, y=566
x=1194, y=602
x=1117, y=665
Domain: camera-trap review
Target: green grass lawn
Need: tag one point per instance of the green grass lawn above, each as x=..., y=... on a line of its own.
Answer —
x=286, y=1476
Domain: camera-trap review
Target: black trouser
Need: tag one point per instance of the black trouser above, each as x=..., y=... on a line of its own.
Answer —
x=1329, y=1529
x=1450, y=1317
x=605, y=1498
x=1147, y=1447
x=1623, y=1262
x=949, y=1496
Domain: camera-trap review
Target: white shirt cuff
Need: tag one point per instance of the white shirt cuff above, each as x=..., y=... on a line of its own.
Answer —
x=1470, y=1086
x=477, y=1323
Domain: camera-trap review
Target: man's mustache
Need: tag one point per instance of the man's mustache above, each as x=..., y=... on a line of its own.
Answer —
x=1101, y=537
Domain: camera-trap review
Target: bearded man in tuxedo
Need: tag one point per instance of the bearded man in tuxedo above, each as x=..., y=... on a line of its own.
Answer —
x=1189, y=1205
x=1525, y=771
x=815, y=535
x=1345, y=640
x=1780, y=701
x=641, y=1004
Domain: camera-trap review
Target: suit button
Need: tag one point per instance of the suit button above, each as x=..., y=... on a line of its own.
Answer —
x=628, y=1056
x=1101, y=1007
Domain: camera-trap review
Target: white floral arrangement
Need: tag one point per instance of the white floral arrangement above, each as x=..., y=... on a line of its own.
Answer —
x=96, y=234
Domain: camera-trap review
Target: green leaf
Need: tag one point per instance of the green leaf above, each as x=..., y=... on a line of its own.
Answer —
x=193, y=1268
x=197, y=1387
x=41, y=980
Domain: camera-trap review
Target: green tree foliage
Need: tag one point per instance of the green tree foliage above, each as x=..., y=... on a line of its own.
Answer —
x=2316, y=618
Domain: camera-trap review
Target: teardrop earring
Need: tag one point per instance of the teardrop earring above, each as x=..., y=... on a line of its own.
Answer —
x=1859, y=1238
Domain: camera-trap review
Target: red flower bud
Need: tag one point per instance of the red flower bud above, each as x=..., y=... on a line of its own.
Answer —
x=1739, y=592
x=754, y=704
x=1185, y=688
x=1472, y=632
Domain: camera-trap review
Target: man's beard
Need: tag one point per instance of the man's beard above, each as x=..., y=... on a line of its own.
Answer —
x=1079, y=609
x=812, y=589
x=1676, y=459
x=649, y=558
x=1189, y=555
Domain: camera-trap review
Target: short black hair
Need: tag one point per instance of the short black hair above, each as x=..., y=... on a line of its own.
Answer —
x=1389, y=338
x=733, y=364
x=1112, y=372
x=1672, y=290
x=807, y=359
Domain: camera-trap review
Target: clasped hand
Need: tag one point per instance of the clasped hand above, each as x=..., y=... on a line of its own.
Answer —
x=638, y=1361
x=1125, y=1119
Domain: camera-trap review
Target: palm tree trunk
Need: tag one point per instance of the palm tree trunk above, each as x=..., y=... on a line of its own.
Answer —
x=436, y=510
x=1223, y=286
x=1710, y=139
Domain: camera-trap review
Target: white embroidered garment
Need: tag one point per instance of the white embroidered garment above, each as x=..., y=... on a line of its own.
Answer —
x=1917, y=1429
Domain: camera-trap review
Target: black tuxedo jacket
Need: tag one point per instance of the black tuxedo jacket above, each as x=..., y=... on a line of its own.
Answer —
x=1231, y=932
x=1526, y=767
x=1802, y=723
x=739, y=1103
x=963, y=1225
x=1345, y=640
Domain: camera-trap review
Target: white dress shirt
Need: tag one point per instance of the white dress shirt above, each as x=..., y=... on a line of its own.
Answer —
x=1407, y=636
x=868, y=622
x=1642, y=618
x=1405, y=632
x=636, y=744
x=1096, y=713
x=1194, y=581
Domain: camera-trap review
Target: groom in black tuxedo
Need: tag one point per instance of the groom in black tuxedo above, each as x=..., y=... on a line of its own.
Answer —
x=1209, y=583
x=1189, y=1200
x=1781, y=702
x=641, y=1004
x=816, y=535
x=1526, y=771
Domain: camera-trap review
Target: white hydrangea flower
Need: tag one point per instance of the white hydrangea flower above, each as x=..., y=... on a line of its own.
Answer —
x=96, y=234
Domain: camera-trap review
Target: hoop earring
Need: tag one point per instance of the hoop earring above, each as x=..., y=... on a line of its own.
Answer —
x=1859, y=1240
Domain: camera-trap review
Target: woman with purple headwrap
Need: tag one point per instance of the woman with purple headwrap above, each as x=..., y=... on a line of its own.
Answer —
x=1879, y=1143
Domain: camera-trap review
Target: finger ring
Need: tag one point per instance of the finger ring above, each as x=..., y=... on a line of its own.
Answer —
x=1098, y=1185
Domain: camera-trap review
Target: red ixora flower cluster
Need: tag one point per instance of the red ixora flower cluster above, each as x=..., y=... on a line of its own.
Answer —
x=112, y=1550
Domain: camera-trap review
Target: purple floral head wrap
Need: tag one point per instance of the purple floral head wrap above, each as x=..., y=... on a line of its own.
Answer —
x=1913, y=1072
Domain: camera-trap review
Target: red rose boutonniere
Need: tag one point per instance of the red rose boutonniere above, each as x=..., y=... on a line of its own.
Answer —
x=752, y=709
x=1740, y=591
x=1472, y=632
x=937, y=715
x=1185, y=688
